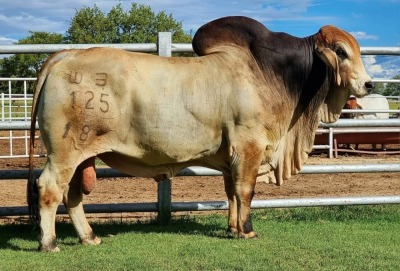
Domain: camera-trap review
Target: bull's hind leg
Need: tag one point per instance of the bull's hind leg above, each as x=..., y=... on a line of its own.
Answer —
x=73, y=202
x=50, y=189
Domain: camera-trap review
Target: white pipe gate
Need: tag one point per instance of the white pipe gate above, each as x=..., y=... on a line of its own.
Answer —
x=164, y=206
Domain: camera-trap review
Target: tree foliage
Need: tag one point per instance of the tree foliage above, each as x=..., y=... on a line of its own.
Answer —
x=392, y=89
x=26, y=65
x=139, y=24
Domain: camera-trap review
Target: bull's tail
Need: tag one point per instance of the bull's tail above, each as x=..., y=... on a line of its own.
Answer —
x=32, y=189
x=33, y=196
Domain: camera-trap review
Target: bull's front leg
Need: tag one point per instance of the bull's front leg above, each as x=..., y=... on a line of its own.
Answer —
x=232, y=213
x=73, y=202
x=245, y=192
x=245, y=165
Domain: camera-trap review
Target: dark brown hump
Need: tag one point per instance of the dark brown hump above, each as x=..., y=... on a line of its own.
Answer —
x=235, y=30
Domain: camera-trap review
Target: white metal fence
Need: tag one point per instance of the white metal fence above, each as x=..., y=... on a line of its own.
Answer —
x=15, y=108
x=164, y=205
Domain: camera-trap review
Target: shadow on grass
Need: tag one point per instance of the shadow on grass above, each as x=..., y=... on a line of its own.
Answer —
x=11, y=232
x=67, y=236
x=213, y=226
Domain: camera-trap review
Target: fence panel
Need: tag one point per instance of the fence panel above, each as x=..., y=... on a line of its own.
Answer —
x=10, y=102
x=165, y=207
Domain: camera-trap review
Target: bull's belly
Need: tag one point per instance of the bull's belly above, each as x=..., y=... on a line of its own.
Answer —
x=147, y=154
x=167, y=140
x=137, y=168
x=154, y=152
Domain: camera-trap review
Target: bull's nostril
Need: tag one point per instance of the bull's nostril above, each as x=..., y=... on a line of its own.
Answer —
x=369, y=86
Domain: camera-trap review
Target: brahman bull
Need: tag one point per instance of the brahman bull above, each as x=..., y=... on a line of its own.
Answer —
x=252, y=98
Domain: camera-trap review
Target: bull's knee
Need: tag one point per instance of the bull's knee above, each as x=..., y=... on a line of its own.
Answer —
x=50, y=198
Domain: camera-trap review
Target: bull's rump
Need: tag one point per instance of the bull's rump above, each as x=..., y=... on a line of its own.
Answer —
x=156, y=110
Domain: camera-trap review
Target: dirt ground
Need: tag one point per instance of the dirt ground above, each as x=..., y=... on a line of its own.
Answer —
x=129, y=190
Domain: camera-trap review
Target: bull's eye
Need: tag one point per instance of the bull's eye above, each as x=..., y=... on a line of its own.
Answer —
x=341, y=53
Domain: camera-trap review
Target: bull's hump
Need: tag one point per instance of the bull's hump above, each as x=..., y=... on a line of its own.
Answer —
x=228, y=31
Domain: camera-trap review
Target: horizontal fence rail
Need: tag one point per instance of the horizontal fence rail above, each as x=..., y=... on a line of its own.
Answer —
x=362, y=123
x=53, y=48
x=214, y=205
x=364, y=126
x=361, y=130
x=358, y=111
x=143, y=47
x=380, y=50
x=220, y=205
x=375, y=80
x=25, y=125
x=202, y=171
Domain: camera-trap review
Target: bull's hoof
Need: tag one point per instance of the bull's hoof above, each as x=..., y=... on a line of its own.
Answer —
x=91, y=241
x=49, y=249
x=248, y=235
x=49, y=246
x=232, y=232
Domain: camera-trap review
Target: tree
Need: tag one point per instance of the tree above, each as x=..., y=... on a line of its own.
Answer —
x=137, y=25
x=90, y=25
x=27, y=65
x=392, y=89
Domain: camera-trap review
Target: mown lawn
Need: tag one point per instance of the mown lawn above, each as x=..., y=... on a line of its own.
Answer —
x=329, y=238
x=394, y=105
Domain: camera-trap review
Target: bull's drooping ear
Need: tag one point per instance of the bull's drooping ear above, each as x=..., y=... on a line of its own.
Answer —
x=329, y=57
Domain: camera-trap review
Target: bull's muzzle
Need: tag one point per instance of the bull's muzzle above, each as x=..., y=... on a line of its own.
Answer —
x=369, y=85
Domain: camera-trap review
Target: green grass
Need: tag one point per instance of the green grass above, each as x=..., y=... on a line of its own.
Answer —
x=333, y=238
x=394, y=105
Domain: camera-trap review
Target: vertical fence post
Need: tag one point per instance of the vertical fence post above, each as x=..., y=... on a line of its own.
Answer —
x=2, y=107
x=9, y=101
x=164, y=188
x=164, y=202
x=330, y=143
x=164, y=44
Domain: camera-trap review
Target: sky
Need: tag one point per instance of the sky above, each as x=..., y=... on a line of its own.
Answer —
x=372, y=23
